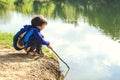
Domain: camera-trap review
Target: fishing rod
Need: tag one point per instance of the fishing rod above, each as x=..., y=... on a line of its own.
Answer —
x=63, y=62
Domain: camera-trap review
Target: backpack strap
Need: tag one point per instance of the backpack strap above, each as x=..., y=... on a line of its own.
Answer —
x=20, y=42
x=16, y=38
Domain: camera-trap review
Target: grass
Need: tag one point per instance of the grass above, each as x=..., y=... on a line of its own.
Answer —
x=6, y=41
x=49, y=53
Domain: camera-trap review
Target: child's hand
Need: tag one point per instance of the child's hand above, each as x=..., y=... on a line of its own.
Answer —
x=49, y=46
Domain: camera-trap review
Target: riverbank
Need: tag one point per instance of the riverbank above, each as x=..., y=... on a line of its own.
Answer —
x=17, y=65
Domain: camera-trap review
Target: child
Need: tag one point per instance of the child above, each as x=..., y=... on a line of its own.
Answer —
x=32, y=38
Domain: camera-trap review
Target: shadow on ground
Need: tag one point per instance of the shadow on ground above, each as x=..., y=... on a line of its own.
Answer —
x=16, y=57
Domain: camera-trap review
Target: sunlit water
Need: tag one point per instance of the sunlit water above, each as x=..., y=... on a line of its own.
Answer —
x=90, y=54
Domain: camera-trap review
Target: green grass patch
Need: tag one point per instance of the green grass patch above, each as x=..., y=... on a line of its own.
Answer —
x=6, y=39
x=49, y=53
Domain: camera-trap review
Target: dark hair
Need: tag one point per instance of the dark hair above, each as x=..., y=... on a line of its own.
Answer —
x=38, y=20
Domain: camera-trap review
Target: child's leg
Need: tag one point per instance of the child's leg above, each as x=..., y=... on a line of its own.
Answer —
x=34, y=46
x=38, y=47
x=30, y=45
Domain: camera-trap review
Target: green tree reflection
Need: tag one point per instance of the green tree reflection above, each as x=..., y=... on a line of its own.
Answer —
x=46, y=8
x=102, y=14
x=5, y=7
x=105, y=16
x=24, y=6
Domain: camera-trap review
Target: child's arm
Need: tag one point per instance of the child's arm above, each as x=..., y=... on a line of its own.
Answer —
x=44, y=42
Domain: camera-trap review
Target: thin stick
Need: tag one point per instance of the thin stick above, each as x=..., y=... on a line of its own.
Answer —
x=63, y=62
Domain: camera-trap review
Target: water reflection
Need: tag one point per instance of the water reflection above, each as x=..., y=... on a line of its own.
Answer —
x=103, y=14
x=91, y=55
x=88, y=47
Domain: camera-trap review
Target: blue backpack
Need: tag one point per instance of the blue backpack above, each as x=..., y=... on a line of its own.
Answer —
x=21, y=38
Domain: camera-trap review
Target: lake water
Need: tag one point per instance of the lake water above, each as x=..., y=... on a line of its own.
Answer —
x=84, y=33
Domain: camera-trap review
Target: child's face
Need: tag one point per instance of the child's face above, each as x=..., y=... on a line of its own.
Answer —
x=42, y=27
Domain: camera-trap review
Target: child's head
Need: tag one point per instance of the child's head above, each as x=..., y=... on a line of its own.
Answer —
x=39, y=21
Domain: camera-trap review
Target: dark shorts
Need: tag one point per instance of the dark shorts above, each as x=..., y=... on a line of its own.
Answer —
x=34, y=44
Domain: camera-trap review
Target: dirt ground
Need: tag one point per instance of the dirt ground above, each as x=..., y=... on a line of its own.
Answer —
x=15, y=65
